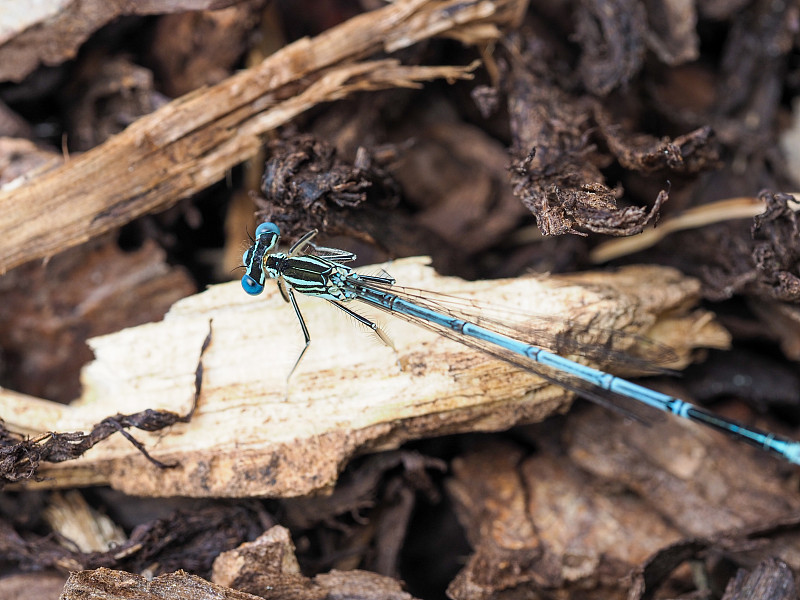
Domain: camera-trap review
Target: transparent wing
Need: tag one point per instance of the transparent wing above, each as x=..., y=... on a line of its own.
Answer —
x=561, y=337
x=558, y=335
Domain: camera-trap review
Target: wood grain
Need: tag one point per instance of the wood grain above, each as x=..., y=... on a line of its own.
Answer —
x=193, y=141
x=254, y=435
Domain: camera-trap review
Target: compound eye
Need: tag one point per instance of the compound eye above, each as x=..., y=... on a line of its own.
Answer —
x=251, y=286
x=267, y=227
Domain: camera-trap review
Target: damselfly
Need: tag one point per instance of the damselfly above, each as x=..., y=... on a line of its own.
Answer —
x=320, y=272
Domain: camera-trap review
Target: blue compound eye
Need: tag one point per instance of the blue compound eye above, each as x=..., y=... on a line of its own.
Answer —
x=251, y=286
x=267, y=227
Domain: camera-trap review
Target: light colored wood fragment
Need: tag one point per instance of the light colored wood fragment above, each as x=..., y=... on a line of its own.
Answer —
x=253, y=435
x=79, y=525
x=108, y=584
x=193, y=141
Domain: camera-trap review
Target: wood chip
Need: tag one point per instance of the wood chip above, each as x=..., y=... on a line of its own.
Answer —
x=254, y=435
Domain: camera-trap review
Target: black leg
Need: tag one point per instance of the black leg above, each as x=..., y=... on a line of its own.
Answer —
x=361, y=319
x=300, y=244
x=303, y=327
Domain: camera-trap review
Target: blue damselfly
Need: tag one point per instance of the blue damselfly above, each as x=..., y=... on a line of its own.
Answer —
x=320, y=272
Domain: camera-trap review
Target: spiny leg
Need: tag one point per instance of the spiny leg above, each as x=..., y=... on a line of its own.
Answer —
x=282, y=289
x=303, y=327
x=334, y=254
x=387, y=279
x=365, y=321
x=300, y=244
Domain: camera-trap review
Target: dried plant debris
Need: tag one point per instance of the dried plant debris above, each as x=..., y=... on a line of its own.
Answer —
x=764, y=576
x=762, y=263
x=536, y=527
x=776, y=248
x=694, y=152
x=561, y=200
x=268, y=568
x=20, y=457
x=367, y=515
x=193, y=142
x=202, y=47
x=105, y=584
x=108, y=96
x=611, y=34
x=539, y=523
x=701, y=484
x=771, y=579
x=557, y=173
x=305, y=176
x=760, y=38
x=587, y=119
x=361, y=524
x=188, y=539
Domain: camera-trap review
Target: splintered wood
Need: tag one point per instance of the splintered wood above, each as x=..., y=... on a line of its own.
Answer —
x=193, y=141
x=254, y=434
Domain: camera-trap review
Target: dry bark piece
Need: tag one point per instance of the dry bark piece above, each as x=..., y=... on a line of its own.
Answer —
x=671, y=32
x=541, y=522
x=268, y=568
x=193, y=141
x=536, y=525
x=702, y=483
x=190, y=539
x=612, y=34
x=382, y=491
x=51, y=32
x=749, y=544
x=254, y=435
x=73, y=519
x=197, y=48
x=105, y=584
x=770, y=580
x=45, y=586
x=49, y=310
x=277, y=577
x=109, y=94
